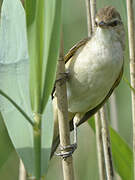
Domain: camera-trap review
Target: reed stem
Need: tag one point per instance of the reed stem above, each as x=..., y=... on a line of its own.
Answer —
x=64, y=130
x=131, y=38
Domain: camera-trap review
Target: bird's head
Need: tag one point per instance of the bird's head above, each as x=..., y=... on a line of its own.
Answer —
x=109, y=18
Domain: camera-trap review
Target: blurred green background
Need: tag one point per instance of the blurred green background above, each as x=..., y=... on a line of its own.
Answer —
x=85, y=158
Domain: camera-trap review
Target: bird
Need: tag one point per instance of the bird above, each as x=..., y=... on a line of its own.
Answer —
x=94, y=67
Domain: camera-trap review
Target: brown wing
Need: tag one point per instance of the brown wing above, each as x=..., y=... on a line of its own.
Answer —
x=72, y=51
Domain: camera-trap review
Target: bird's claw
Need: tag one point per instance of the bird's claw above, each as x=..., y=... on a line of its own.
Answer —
x=66, y=151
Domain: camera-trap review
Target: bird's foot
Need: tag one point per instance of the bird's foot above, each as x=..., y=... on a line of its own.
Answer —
x=67, y=151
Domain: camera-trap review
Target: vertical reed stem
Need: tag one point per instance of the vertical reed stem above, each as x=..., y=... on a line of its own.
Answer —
x=113, y=112
x=99, y=142
x=131, y=37
x=106, y=144
x=93, y=13
x=22, y=172
x=64, y=131
x=37, y=145
x=89, y=23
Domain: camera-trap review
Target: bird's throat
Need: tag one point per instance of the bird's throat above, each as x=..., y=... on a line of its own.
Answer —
x=105, y=35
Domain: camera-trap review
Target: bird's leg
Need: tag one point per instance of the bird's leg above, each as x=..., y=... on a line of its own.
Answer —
x=72, y=147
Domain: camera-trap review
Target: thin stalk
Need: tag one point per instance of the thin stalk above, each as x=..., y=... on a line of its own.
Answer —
x=106, y=144
x=89, y=23
x=64, y=131
x=99, y=143
x=37, y=145
x=131, y=37
x=114, y=119
x=91, y=11
x=22, y=172
x=113, y=111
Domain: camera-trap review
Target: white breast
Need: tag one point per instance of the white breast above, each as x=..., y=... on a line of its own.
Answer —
x=93, y=70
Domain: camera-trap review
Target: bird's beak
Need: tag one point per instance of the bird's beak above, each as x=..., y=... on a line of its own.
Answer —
x=102, y=24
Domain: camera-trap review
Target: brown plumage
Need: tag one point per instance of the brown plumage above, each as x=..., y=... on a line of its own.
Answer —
x=108, y=13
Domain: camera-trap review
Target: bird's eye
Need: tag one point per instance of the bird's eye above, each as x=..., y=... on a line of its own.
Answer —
x=114, y=23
